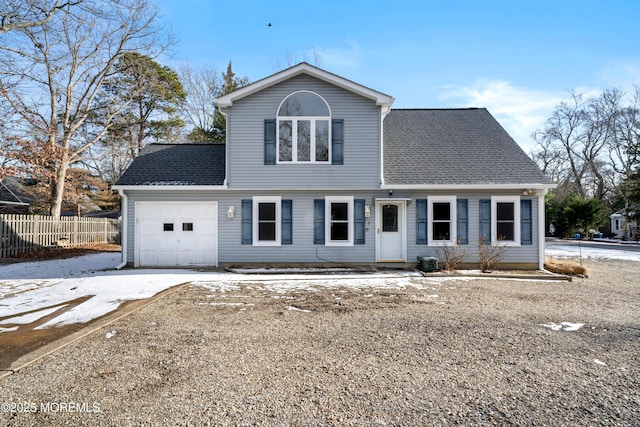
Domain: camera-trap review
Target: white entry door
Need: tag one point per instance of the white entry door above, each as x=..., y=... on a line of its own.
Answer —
x=170, y=234
x=390, y=228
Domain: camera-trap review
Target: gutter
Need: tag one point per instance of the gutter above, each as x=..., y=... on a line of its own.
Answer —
x=532, y=186
x=148, y=187
x=123, y=236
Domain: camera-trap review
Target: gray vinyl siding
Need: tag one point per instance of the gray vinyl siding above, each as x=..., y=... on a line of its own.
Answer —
x=302, y=249
x=230, y=247
x=245, y=141
x=515, y=254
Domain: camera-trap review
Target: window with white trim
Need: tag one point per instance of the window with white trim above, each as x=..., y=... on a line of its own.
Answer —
x=304, y=129
x=267, y=217
x=339, y=221
x=505, y=220
x=441, y=219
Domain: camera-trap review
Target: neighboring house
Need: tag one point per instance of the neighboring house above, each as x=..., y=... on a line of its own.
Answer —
x=86, y=207
x=317, y=168
x=12, y=200
x=621, y=228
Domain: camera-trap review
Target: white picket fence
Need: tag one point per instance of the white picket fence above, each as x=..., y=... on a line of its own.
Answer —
x=24, y=233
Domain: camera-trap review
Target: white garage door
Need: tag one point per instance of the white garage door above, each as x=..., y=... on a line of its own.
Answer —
x=176, y=234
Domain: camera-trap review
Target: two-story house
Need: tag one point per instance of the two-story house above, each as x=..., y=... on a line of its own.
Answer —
x=318, y=168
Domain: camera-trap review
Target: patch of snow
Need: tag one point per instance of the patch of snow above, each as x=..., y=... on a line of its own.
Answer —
x=564, y=326
x=110, y=334
x=299, y=270
x=599, y=362
x=82, y=266
x=230, y=304
x=292, y=308
x=8, y=329
x=59, y=281
x=574, y=251
x=32, y=317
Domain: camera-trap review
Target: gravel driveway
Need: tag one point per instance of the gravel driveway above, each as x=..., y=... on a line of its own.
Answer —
x=472, y=352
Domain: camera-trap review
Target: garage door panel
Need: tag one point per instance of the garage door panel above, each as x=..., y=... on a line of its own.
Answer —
x=187, y=245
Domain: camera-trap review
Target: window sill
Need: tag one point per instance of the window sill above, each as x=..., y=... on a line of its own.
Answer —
x=267, y=244
x=506, y=243
x=339, y=244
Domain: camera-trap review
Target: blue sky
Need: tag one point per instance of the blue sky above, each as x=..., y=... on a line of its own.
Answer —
x=518, y=58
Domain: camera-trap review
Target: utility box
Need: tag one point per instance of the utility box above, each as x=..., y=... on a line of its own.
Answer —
x=427, y=263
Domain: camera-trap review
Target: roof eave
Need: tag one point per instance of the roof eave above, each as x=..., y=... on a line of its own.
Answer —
x=531, y=186
x=6, y=202
x=169, y=187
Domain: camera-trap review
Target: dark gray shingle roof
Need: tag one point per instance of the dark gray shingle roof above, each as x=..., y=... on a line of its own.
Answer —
x=453, y=146
x=11, y=191
x=177, y=164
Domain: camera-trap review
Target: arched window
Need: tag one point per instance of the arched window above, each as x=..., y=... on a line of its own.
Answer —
x=304, y=127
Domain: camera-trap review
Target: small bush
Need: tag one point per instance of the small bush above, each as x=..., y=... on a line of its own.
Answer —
x=490, y=254
x=451, y=255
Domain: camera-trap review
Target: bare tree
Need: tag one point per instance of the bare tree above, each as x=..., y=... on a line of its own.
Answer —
x=202, y=85
x=51, y=74
x=598, y=130
x=314, y=58
x=624, y=144
x=20, y=14
x=572, y=146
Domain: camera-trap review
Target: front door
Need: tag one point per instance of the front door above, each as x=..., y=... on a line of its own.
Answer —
x=390, y=228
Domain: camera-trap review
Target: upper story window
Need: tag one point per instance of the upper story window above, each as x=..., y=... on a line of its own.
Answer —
x=303, y=130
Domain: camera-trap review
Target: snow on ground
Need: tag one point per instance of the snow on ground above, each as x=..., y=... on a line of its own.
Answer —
x=575, y=251
x=564, y=326
x=32, y=290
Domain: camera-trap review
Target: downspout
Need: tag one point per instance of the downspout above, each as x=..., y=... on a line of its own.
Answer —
x=223, y=111
x=124, y=242
x=384, y=110
x=541, y=228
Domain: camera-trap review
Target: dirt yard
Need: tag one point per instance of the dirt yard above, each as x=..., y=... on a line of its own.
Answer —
x=471, y=352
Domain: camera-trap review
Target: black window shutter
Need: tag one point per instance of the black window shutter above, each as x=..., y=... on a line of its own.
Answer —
x=358, y=219
x=463, y=221
x=318, y=221
x=247, y=225
x=287, y=222
x=337, y=141
x=421, y=221
x=526, y=223
x=270, y=142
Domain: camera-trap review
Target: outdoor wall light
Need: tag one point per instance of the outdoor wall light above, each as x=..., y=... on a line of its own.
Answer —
x=367, y=211
x=231, y=211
